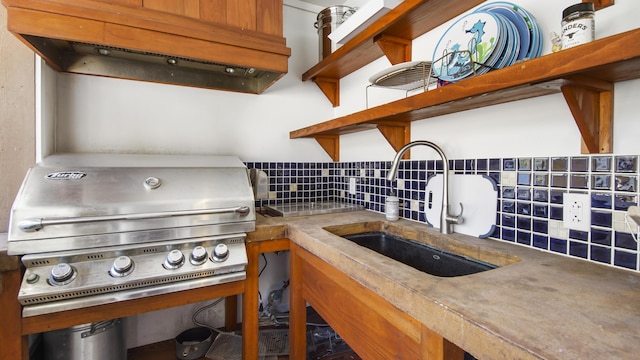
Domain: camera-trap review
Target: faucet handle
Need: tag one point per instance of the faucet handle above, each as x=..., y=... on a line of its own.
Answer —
x=456, y=219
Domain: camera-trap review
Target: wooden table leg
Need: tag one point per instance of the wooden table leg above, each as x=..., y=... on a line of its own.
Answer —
x=231, y=313
x=297, y=309
x=250, y=305
x=12, y=344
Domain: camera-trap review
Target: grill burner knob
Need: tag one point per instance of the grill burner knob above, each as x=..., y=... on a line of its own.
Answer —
x=198, y=255
x=220, y=253
x=174, y=259
x=122, y=266
x=62, y=274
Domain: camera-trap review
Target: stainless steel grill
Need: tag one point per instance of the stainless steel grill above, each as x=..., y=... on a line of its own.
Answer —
x=98, y=228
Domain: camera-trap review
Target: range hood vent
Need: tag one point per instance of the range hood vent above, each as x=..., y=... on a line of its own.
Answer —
x=141, y=44
x=103, y=60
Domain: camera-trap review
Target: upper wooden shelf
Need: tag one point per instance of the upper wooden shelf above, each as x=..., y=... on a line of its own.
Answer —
x=584, y=75
x=391, y=35
x=407, y=21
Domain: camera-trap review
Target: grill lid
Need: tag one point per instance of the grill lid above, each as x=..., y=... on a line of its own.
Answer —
x=78, y=201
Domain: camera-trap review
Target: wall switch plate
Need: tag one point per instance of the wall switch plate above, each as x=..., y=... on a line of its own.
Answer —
x=352, y=186
x=576, y=211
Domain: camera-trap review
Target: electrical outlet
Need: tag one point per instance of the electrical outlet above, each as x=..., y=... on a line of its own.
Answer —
x=352, y=186
x=576, y=213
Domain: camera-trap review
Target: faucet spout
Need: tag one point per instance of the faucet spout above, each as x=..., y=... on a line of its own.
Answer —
x=446, y=219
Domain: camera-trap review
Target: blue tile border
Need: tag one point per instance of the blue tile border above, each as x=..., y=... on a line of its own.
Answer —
x=530, y=192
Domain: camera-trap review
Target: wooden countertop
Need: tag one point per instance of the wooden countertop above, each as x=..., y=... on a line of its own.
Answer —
x=540, y=306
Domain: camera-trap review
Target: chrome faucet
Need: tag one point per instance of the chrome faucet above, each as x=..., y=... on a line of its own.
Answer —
x=446, y=220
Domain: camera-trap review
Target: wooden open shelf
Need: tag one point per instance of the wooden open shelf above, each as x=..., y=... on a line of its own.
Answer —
x=389, y=36
x=585, y=75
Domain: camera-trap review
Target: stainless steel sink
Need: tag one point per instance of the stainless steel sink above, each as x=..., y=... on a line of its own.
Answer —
x=423, y=257
x=430, y=252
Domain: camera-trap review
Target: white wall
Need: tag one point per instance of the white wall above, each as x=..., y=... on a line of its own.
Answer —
x=110, y=115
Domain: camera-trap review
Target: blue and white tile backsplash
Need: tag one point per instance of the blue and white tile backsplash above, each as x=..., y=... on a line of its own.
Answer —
x=530, y=191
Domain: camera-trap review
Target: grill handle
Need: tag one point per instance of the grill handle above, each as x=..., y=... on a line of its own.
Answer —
x=30, y=225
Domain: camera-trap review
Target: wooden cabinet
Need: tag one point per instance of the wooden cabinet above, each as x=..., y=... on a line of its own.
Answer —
x=264, y=16
x=371, y=326
x=227, y=45
x=585, y=75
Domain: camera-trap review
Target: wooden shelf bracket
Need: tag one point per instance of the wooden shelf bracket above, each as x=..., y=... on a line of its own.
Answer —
x=397, y=134
x=591, y=104
x=397, y=50
x=601, y=4
x=330, y=88
x=330, y=144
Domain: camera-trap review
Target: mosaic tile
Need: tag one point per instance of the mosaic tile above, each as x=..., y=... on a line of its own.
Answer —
x=508, y=164
x=601, y=164
x=540, y=241
x=494, y=164
x=601, y=182
x=508, y=235
x=559, y=164
x=540, y=226
x=559, y=180
x=524, y=237
x=622, y=202
x=524, y=164
x=579, y=164
x=540, y=179
x=541, y=164
x=523, y=223
x=578, y=249
x=601, y=254
x=524, y=208
x=579, y=235
x=602, y=237
x=626, y=183
x=508, y=220
x=558, y=245
x=524, y=179
x=579, y=181
x=530, y=192
x=540, y=210
x=541, y=195
x=509, y=207
x=625, y=241
x=625, y=259
x=599, y=218
x=555, y=213
x=482, y=164
x=626, y=164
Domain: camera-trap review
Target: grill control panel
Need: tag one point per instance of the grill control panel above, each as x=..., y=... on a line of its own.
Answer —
x=60, y=277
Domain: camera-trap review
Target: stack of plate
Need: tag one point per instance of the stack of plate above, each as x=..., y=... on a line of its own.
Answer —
x=494, y=36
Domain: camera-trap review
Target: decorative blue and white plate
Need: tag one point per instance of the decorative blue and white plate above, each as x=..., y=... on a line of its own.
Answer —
x=531, y=39
x=470, y=41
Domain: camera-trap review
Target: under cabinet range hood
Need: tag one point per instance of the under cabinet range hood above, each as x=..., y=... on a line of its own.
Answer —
x=101, y=38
